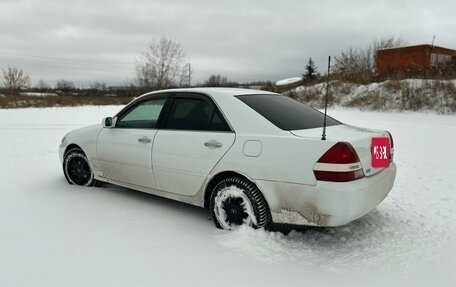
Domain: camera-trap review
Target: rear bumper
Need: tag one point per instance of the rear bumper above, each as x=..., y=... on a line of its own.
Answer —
x=345, y=202
x=327, y=203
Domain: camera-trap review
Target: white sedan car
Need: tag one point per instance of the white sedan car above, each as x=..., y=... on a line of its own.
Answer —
x=250, y=157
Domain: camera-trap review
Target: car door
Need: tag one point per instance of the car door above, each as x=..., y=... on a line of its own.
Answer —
x=125, y=150
x=193, y=138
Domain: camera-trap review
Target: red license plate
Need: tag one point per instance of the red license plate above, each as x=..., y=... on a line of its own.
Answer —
x=380, y=152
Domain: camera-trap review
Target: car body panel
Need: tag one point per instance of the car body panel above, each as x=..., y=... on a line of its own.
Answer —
x=85, y=138
x=283, y=158
x=182, y=161
x=326, y=203
x=121, y=156
x=359, y=138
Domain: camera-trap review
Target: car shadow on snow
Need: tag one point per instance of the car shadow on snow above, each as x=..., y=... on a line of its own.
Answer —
x=161, y=203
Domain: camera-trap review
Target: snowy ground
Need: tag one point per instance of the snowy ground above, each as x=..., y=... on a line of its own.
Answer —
x=38, y=94
x=54, y=234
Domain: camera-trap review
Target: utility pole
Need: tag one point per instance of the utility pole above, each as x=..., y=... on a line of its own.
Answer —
x=189, y=75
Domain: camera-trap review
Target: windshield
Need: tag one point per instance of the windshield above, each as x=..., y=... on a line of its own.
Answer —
x=286, y=113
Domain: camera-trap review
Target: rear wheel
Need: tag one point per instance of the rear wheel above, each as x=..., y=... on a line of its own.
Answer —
x=77, y=169
x=236, y=201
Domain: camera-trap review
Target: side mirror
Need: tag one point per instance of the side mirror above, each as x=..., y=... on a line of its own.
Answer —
x=107, y=122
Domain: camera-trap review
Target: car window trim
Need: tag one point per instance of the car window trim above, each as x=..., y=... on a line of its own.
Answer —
x=191, y=95
x=139, y=101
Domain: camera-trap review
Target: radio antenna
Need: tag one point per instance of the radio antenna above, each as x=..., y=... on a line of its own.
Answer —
x=323, y=136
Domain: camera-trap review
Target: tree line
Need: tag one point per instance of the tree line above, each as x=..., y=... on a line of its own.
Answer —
x=14, y=79
x=165, y=65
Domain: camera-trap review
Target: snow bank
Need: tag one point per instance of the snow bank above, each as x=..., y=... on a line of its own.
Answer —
x=411, y=95
x=38, y=94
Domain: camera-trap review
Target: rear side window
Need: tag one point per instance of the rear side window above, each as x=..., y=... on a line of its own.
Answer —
x=195, y=114
x=286, y=113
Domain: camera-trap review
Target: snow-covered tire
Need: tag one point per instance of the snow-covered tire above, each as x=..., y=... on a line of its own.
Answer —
x=77, y=170
x=236, y=201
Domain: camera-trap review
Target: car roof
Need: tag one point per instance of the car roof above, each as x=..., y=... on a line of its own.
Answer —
x=215, y=91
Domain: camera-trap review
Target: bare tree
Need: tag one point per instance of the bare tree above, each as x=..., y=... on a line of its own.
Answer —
x=162, y=66
x=98, y=85
x=42, y=85
x=185, y=76
x=359, y=64
x=216, y=81
x=15, y=79
x=64, y=85
x=354, y=65
x=388, y=42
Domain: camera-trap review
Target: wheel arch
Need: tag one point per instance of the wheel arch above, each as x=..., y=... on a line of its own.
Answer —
x=216, y=179
x=72, y=146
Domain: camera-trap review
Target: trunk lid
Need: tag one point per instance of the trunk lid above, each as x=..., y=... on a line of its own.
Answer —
x=359, y=138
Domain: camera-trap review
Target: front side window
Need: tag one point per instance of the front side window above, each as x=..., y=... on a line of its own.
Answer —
x=142, y=116
x=195, y=114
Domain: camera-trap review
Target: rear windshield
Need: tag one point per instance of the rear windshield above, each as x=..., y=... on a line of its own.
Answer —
x=286, y=113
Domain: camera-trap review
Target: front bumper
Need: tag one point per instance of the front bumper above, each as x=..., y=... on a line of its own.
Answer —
x=327, y=203
x=62, y=148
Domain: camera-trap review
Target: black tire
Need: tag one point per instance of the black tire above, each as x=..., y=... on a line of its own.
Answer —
x=77, y=170
x=236, y=201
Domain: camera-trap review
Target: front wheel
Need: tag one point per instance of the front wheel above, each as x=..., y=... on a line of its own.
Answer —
x=77, y=169
x=236, y=201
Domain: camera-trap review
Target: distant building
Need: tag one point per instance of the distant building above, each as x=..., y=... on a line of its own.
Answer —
x=412, y=59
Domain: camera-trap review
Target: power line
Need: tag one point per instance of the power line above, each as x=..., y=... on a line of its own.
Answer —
x=48, y=60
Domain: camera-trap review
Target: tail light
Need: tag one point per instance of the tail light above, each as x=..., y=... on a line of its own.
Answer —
x=391, y=146
x=391, y=138
x=339, y=164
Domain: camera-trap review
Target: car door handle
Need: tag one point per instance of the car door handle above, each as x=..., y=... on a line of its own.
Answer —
x=144, y=140
x=213, y=144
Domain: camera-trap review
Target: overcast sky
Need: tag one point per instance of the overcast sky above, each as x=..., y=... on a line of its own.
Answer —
x=85, y=41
